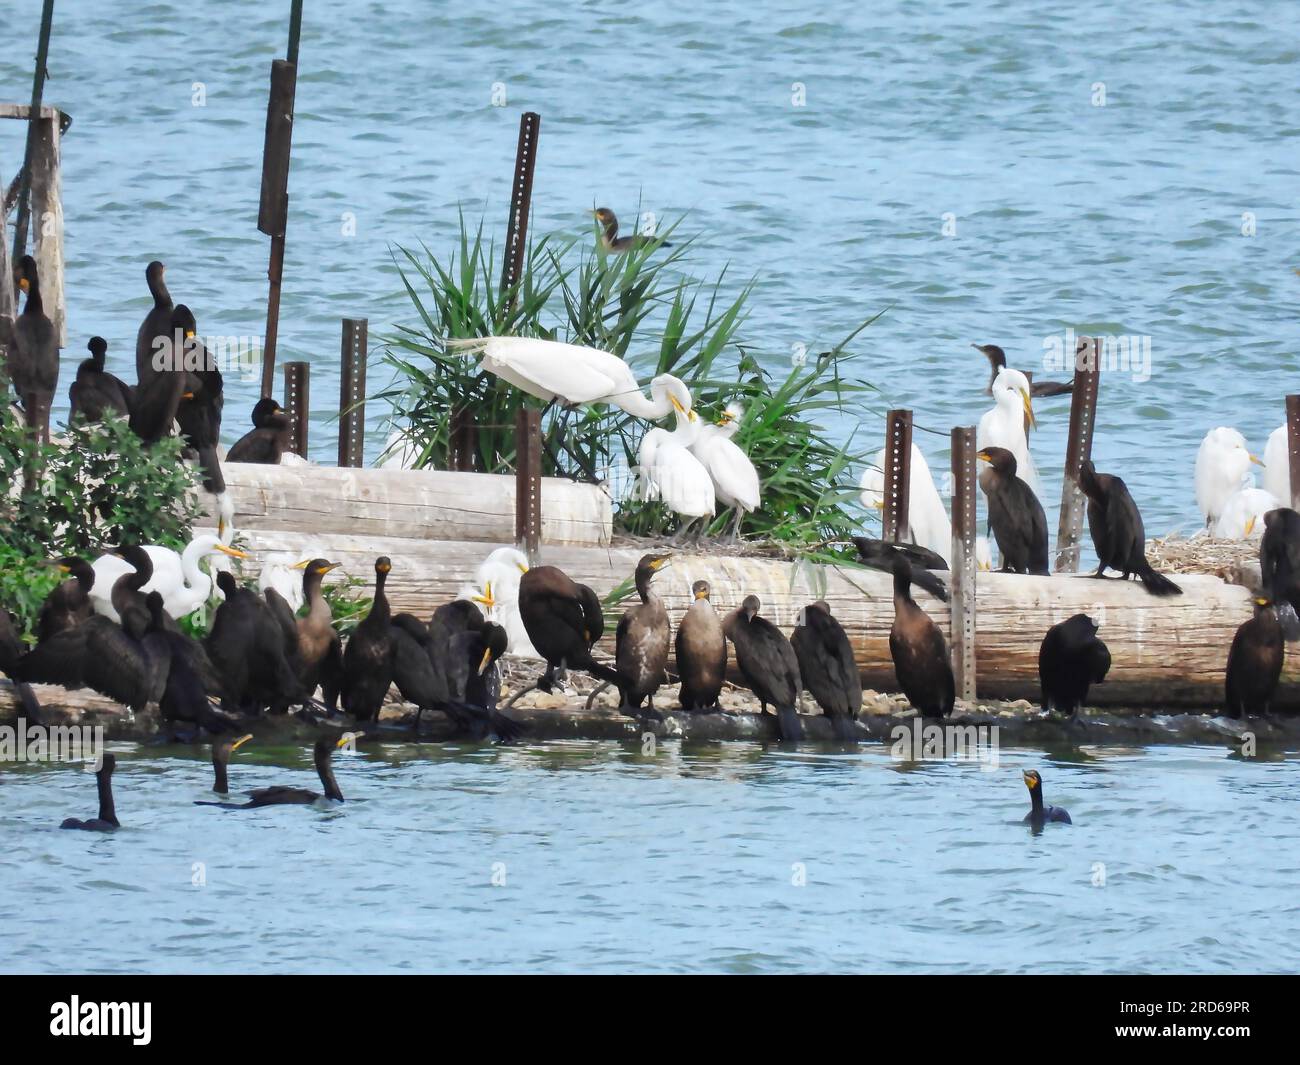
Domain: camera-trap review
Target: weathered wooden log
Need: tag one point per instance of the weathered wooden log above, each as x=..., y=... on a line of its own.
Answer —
x=414, y=504
x=47, y=222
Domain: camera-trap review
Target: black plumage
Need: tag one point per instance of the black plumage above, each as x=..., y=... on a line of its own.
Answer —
x=768, y=663
x=828, y=668
x=287, y=795
x=247, y=646
x=107, y=820
x=641, y=641
x=159, y=393
x=1279, y=567
x=269, y=438
x=68, y=603
x=32, y=363
x=919, y=651
x=880, y=554
x=998, y=360
x=610, y=241
x=1254, y=663
x=1070, y=660
x=155, y=333
x=1117, y=531
x=199, y=412
x=1016, y=516
x=563, y=620
x=368, y=657
x=1039, y=814
x=96, y=392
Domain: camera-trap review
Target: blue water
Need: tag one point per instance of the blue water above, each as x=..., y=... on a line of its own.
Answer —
x=1123, y=219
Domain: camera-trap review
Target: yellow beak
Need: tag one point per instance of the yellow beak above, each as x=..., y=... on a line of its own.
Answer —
x=241, y=741
x=677, y=405
x=1256, y=460
x=301, y=565
x=231, y=551
x=1250, y=524
x=189, y=334
x=522, y=567
x=486, y=598
x=486, y=661
x=1028, y=403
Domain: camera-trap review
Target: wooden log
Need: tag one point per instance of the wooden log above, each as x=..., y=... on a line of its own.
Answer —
x=7, y=308
x=415, y=504
x=47, y=222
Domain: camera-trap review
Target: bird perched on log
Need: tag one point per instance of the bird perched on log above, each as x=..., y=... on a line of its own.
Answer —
x=1016, y=516
x=735, y=480
x=701, y=653
x=563, y=619
x=1070, y=660
x=768, y=663
x=1279, y=567
x=998, y=361
x=368, y=657
x=1117, y=531
x=641, y=642
x=96, y=392
x=269, y=438
x=610, y=241
x=880, y=554
x=828, y=669
x=1254, y=663
x=918, y=649
x=32, y=363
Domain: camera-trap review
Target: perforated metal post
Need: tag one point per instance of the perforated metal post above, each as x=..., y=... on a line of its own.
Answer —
x=1293, y=447
x=528, y=482
x=963, y=565
x=898, y=474
x=352, y=398
x=1083, y=417
x=521, y=197
x=297, y=395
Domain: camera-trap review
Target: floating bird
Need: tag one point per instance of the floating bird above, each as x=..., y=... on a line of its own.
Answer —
x=828, y=668
x=368, y=657
x=1004, y=426
x=199, y=412
x=701, y=653
x=107, y=820
x=880, y=554
x=1015, y=514
x=997, y=363
x=574, y=375
x=1279, y=566
x=68, y=604
x=1070, y=660
x=610, y=241
x=1117, y=531
x=927, y=519
x=221, y=752
x=735, y=480
x=268, y=441
x=1222, y=467
x=96, y=392
x=184, y=587
x=1243, y=514
x=1277, y=465
x=284, y=795
x=671, y=473
x=156, y=331
x=33, y=360
x=641, y=642
x=918, y=649
x=1254, y=663
x=768, y=664
x=1039, y=814
x=564, y=620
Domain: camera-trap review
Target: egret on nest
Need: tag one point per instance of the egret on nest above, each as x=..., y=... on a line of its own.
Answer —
x=183, y=586
x=1243, y=514
x=735, y=481
x=1004, y=425
x=574, y=375
x=1277, y=465
x=670, y=472
x=927, y=520
x=1222, y=468
x=495, y=589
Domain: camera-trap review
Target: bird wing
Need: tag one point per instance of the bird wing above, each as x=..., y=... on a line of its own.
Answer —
x=734, y=476
x=570, y=372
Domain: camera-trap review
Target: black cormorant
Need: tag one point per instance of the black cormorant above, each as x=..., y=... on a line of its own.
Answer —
x=1070, y=659
x=283, y=795
x=828, y=668
x=1016, y=516
x=880, y=554
x=1279, y=566
x=33, y=360
x=221, y=752
x=1039, y=814
x=701, y=653
x=368, y=657
x=107, y=819
x=97, y=392
x=320, y=650
x=641, y=641
x=1117, y=531
x=199, y=412
x=157, y=325
x=563, y=620
x=269, y=439
x=1254, y=663
x=68, y=604
x=610, y=241
x=472, y=673
x=768, y=663
x=919, y=651
x=158, y=396
x=998, y=359
x=12, y=649
x=247, y=646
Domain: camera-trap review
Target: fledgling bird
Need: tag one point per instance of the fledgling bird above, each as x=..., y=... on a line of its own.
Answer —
x=1117, y=531
x=269, y=438
x=1070, y=660
x=1223, y=464
x=1016, y=516
x=641, y=642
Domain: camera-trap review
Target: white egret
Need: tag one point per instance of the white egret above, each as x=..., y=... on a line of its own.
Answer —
x=735, y=480
x=1277, y=465
x=282, y=570
x=927, y=520
x=183, y=586
x=496, y=591
x=1004, y=425
x=1243, y=514
x=1222, y=468
x=574, y=374
x=670, y=472
x=983, y=553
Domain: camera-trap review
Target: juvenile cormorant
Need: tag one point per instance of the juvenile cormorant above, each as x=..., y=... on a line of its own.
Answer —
x=199, y=412
x=768, y=663
x=828, y=668
x=68, y=604
x=320, y=650
x=107, y=819
x=221, y=752
x=919, y=652
x=701, y=653
x=1117, y=531
x=1254, y=663
x=1016, y=516
x=97, y=392
x=641, y=641
x=368, y=657
x=1070, y=659
x=284, y=795
x=1039, y=814
x=1279, y=565
x=269, y=439
x=880, y=554
x=157, y=324
x=563, y=620
x=33, y=359
x=610, y=241
x=998, y=359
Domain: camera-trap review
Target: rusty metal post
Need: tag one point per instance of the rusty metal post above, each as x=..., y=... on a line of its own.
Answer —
x=963, y=566
x=33, y=122
x=898, y=475
x=273, y=210
x=528, y=482
x=521, y=198
x=463, y=439
x=1293, y=448
x=352, y=393
x=1083, y=418
x=297, y=397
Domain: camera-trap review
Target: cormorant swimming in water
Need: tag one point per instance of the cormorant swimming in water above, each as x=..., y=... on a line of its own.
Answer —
x=269, y=439
x=610, y=241
x=1016, y=516
x=284, y=795
x=998, y=359
x=641, y=641
x=1254, y=663
x=368, y=657
x=33, y=358
x=96, y=392
x=701, y=653
x=564, y=620
x=828, y=668
x=919, y=652
x=768, y=663
x=1279, y=566
x=107, y=819
x=221, y=752
x=1039, y=814
x=1117, y=531
x=68, y=604
x=1070, y=659
x=880, y=554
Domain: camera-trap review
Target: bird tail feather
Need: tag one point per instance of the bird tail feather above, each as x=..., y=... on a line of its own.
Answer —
x=466, y=345
x=1157, y=583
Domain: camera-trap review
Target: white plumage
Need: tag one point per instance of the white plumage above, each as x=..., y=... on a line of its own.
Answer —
x=1004, y=425
x=1222, y=468
x=495, y=589
x=671, y=473
x=1277, y=465
x=735, y=480
x=183, y=586
x=1243, y=514
x=927, y=519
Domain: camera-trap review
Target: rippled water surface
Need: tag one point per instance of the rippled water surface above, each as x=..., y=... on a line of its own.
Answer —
x=1124, y=219
x=1179, y=859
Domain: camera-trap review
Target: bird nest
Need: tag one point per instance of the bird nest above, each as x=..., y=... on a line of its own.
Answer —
x=1202, y=553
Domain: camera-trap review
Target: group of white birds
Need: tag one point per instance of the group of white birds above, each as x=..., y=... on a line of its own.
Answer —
x=1231, y=504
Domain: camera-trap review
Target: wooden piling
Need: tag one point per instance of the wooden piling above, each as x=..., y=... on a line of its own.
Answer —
x=352, y=392
x=297, y=398
x=1083, y=417
x=273, y=210
x=1293, y=448
x=528, y=482
x=898, y=474
x=963, y=565
x=46, y=198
